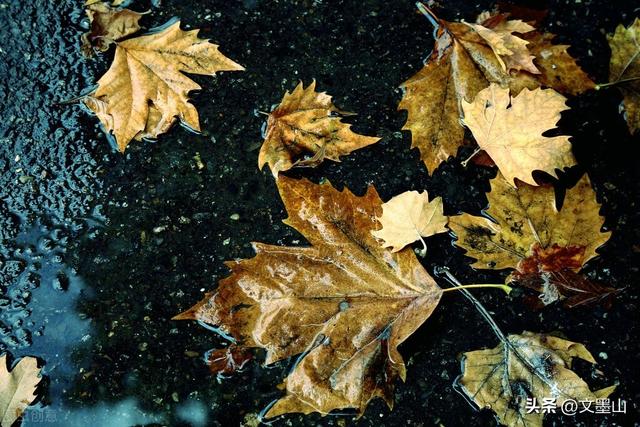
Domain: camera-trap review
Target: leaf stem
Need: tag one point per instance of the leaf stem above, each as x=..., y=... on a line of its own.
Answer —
x=505, y=288
x=465, y=162
x=433, y=19
x=605, y=85
x=444, y=272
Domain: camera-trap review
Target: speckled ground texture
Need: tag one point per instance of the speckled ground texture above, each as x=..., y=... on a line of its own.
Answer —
x=98, y=250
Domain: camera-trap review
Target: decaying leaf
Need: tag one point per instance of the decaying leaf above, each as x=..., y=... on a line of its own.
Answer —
x=145, y=91
x=625, y=69
x=226, y=361
x=527, y=366
x=552, y=272
x=342, y=305
x=107, y=24
x=510, y=130
x=463, y=62
x=408, y=217
x=305, y=129
x=17, y=388
x=527, y=232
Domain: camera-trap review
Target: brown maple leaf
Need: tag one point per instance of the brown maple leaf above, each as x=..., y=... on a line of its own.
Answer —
x=463, y=63
x=305, y=129
x=17, y=388
x=524, y=230
x=342, y=305
x=107, y=24
x=510, y=130
x=145, y=91
x=523, y=367
x=553, y=273
x=624, y=69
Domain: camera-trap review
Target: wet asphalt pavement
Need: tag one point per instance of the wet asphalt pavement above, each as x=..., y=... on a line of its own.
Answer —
x=98, y=250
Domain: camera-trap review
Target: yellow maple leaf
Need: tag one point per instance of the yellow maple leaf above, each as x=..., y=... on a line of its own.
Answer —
x=408, y=217
x=510, y=130
x=17, y=388
x=305, y=129
x=625, y=69
x=526, y=366
x=145, y=91
x=527, y=216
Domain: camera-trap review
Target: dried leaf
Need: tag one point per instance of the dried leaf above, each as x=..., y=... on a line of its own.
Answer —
x=526, y=216
x=625, y=69
x=305, y=129
x=545, y=245
x=463, y=63
x=107, y=25
x=510, y=130
x=17, y=388
x=343, y=304
x=408, y=217
x=226, y=361
x=526, y=366
x=145, y=89
x=510, y=51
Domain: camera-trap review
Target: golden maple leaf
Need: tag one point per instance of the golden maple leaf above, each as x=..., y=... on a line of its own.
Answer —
x=625, y=69
x=526, y=216
x=408, y=217
x=145, y=91
x=526, y=366
x=107, y=24
x=343, y=304
x=305, y=129
x=17, y=388
x=463, y=63
x=510, y=130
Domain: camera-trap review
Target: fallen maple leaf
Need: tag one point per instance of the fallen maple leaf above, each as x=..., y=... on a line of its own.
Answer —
x=527, y=232
x=145, y=91
x=526, y=366
x=625, y=69
x=463, y=63
x=17, y=388
x=343, y=304
x=107, y=24
x=510, y=130
x=408, y=217
x=305, y=129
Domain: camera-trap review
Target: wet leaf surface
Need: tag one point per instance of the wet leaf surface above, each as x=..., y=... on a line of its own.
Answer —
x=145, y=91
x=305, y=129
x=342, y=305
x=526, y=366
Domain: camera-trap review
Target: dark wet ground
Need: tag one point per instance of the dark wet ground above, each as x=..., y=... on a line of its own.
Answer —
x=99, y=250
